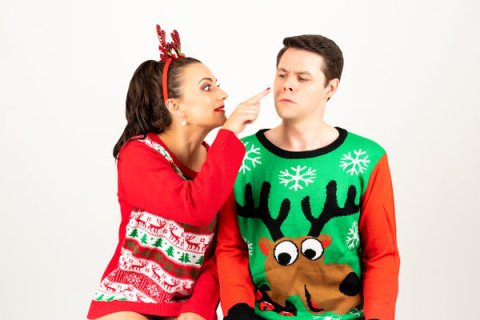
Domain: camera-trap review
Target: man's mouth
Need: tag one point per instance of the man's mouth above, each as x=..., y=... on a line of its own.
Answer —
x=310, y=302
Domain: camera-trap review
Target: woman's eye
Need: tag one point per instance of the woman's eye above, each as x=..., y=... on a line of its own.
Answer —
x=208, y=87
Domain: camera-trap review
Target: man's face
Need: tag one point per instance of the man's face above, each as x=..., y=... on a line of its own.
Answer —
x=299, y=86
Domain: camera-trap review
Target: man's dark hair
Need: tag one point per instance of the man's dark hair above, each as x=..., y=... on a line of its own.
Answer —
x=326, y=48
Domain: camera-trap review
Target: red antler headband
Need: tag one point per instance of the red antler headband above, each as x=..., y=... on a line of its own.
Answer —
x=169, y=51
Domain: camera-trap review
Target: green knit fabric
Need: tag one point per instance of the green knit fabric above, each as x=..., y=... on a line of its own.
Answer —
x=303, y=178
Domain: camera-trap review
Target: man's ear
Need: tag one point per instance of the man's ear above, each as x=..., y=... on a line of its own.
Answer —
x=332, y=87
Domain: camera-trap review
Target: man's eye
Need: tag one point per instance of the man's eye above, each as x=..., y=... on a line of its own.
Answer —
x=281, y=76
x=302, y=79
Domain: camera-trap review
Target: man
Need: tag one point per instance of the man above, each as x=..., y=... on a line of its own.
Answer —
x=311, y=232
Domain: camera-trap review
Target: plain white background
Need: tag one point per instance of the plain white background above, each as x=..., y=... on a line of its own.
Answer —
x=410, y=82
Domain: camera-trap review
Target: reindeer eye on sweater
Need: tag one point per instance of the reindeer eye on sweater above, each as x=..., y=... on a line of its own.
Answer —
x=312, y=248
x=286, y=253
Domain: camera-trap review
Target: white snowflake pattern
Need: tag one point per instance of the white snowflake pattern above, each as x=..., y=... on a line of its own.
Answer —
x=327, y=318
x=249, y=246
x=353, y=238
x=133, y=279
x=299, y=176
x=253, y=156
x=153, y=290
x=355, y=165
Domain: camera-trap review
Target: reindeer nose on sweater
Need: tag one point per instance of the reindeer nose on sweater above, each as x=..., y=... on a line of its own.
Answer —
x=351, y=285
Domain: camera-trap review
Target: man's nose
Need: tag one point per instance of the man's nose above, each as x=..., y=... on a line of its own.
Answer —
x=288, y=86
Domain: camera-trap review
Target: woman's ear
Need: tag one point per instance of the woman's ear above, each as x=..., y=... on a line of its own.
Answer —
x=172, y=106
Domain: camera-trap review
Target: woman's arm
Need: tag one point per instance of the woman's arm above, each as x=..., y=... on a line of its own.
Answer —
x=148, y=182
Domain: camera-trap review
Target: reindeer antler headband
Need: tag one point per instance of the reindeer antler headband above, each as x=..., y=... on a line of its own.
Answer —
x=169, y=51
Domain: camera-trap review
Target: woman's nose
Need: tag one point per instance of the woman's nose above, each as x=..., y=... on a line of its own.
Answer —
x=223, y=95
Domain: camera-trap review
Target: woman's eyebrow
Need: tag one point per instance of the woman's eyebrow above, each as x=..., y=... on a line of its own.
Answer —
x=207, y=78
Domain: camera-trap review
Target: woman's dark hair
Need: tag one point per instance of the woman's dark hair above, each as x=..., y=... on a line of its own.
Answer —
x=326, y=48
x=145, y=109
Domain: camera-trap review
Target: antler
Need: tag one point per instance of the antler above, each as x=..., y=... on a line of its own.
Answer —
x=262, y=212
x=330, y=209
x=169, y=50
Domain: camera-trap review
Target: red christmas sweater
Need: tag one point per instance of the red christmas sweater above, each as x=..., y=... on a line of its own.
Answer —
x=164, y=264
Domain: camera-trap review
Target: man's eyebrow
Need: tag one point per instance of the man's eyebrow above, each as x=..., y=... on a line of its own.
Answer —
x=297, y=73
x=304, y=72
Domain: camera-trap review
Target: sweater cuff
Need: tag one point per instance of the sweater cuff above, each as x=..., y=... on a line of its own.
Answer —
x=240, y=311
x=201, y=308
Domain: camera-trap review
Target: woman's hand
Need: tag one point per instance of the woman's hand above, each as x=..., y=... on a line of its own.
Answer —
x=190, y=316
x=245, y=113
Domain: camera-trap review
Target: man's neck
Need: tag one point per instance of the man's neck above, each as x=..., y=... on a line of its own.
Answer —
x=302, y=135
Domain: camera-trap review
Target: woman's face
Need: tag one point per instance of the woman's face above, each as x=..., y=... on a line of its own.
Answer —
x=202, y=100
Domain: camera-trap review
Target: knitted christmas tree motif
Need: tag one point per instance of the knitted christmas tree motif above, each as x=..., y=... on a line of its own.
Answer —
x=158, y=243
x=185, y=258
x=99, y=296
x=133, y=233
x=164, y=262
x=170, y=251
x=144, y=238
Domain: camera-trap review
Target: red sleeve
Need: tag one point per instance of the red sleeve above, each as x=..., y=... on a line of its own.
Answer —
x=236, y=286
x=380, y=257
x=204, y=299
x=148, y=182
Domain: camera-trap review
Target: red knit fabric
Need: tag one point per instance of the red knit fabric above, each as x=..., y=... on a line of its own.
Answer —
x=379, y=237
x=148, y=184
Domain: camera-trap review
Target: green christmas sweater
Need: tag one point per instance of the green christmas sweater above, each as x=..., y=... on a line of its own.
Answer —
x=301, y=218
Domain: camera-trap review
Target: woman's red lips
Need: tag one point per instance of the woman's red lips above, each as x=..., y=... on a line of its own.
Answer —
x=220, y=109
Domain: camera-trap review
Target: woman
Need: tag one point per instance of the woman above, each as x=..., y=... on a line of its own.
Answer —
x=171, y=186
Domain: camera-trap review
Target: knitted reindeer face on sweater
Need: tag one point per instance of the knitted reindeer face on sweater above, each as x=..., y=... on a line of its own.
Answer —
x=295, y=266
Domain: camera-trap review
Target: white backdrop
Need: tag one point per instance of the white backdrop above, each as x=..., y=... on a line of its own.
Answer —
x=410, y=82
